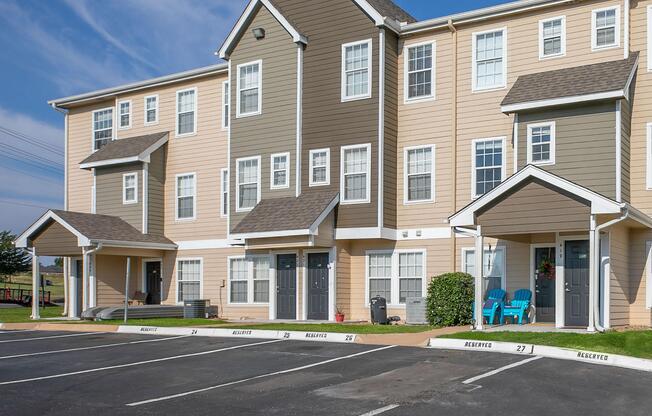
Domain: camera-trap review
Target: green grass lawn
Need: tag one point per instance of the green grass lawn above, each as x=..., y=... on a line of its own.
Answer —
x=21, y=314
x=632, y=343
x=341, y=328
x=166, y=322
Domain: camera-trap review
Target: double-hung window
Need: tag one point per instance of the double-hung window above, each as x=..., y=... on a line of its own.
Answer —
x=489, y=59
x=488, y=164
x=320, y=171
x=494, y=266
x=224, y=201
x=355, y=181
x=552, y=37
x=249, y=279
x=260, y=265
x=226, y=98
x=420, y=71
x=248, y=183
x=396, y=275
x=541, y=143
x=189, y=279
x=151, y=109
x=186, y=112
x=419, y=180
x=605, y=31
x=238, y=280
x=130, y=188
x=124, y=115
x=102, y=127
x=280, y=175
x=356, y=70
x=249, y=89
x=186, y=196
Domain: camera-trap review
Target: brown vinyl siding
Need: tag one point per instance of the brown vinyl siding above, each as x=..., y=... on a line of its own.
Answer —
x=108, y=194
x=273, y=131
x=56, y=240
x=626, y=132
x=390, y=196
x=156, y=192
x=585, y=144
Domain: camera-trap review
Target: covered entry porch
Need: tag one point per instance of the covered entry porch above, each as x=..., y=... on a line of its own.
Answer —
x=540, y=232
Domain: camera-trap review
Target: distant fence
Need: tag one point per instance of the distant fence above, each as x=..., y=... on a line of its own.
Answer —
x=22, y=296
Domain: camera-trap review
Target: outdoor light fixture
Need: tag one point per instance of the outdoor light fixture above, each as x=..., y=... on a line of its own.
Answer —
x=259, y=33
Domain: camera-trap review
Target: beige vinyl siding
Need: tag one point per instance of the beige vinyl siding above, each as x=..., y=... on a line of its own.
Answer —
x=328, y=122
x=626, y=131
x=273, y=131
x=56, y=240
x=156, y=192
x=620, y=285
x=111, y=275
x=585, y=144
x=108, y=193
x=343, y=284
x=637, y=257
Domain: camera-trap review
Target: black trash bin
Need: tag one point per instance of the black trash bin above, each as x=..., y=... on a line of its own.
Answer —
x=195, y=308
x=379, y=310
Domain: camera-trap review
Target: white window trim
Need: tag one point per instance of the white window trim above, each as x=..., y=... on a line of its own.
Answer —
x=125, y=201
x=176, y=113
x=648, y=275
x=648, y=157
x=649, y=38
x=223, y=191
x=503, y=280
x=594, y=46
x=176, y=198
x=328, y=167
x=473, y=167
x=395, y=279
x=474, y=69
x=553, y=143
x=406, y=78
x=237, y=183
x=151, y=123
x=113, y=127
x=344, y=97
x=562, y=52
x=238, y=114
x=367, y=198
x=119, y=107
x=176, y=277
x=272, y=170
x=406, y=200
x=226, y=102
x=250, y=279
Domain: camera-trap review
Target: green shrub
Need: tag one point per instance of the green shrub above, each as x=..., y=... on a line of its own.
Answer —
x=450, y=298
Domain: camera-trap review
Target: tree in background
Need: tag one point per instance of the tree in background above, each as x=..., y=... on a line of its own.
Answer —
x=12, y=260
x=58, y=262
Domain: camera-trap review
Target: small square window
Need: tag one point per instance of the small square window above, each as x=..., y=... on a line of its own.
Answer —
x=605, y=28
x=552, y=37
x=280, y=174
x=320, y=167
x=124, y=108
x=130, y=188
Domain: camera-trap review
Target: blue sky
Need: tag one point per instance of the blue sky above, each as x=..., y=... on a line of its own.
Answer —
x=57, y=48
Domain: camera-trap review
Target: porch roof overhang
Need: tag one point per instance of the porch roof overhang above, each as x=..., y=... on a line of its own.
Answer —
x=127, y=150
x=94, y=230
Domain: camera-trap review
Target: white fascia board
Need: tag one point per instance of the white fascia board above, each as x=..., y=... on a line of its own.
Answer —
x=511, y=108
x=21, y=241
x=110, y=162
x=599, y=203
x=331, y=206
x=134, y=244
x=270, y=234
x=362, y=233
x=638, y=216
x=204, y=244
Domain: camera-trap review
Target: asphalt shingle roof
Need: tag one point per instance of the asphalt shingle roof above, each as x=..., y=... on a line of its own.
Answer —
x=389, y=9
x=123, y=148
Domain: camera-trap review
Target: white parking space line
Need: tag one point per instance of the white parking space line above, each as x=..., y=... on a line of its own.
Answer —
x=52, y=337
x=92, y=347
x=381, y=410
x=500, y=370
x=276, y=373
x=17, y=331
x=158, y=360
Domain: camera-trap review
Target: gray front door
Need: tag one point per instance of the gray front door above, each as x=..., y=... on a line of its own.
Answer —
x=286, y=286
x=318, y=286
x=153, y=280
x=79, y=273
x=544, y=274
x=576, y=274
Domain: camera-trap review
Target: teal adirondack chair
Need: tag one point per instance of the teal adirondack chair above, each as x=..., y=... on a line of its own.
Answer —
x=518, y=307
x=493, y=306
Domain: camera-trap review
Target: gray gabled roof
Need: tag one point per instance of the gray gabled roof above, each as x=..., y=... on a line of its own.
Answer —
x=128, y=150
x=388, y=8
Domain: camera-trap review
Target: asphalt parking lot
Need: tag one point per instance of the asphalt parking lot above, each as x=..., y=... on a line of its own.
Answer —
x=62, y=373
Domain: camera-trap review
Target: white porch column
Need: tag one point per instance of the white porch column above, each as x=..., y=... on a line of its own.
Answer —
x=66, y=292
x=92, y=282
x=73, y=289
x=479, y=295
x=36, y=284
x=85, y=279
x=593, y=269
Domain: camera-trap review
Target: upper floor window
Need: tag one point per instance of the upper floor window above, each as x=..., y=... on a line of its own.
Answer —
x=489, y=63
x=225, y=104
x=320, y=172
x=186, y=112
x=419, y=179
x=552, y=37
x=541, y=143
x=419, y=70
x=280, y=175
x=224, y=202
x=356, y=70
x=605, y=31
x=488, y=164
x=130, y=188
x=249, y=89
x=189, y=279
x=102, y=127
x=248, y=186
x=186, y=196
x=151, y=109
x=355, y=182
x=124, y=114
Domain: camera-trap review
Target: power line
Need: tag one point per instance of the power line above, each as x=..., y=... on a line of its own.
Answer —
x=32, y=156
x=41, y=178
x=7, y=202
x=34, y=165
x=32, y=140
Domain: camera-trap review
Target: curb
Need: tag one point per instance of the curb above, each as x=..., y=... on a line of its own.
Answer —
x=589, y=357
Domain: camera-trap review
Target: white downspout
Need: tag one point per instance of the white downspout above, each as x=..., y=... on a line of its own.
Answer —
x=626, y=31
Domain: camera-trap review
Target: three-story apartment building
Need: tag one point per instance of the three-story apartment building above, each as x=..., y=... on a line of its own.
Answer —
x=346, y=150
